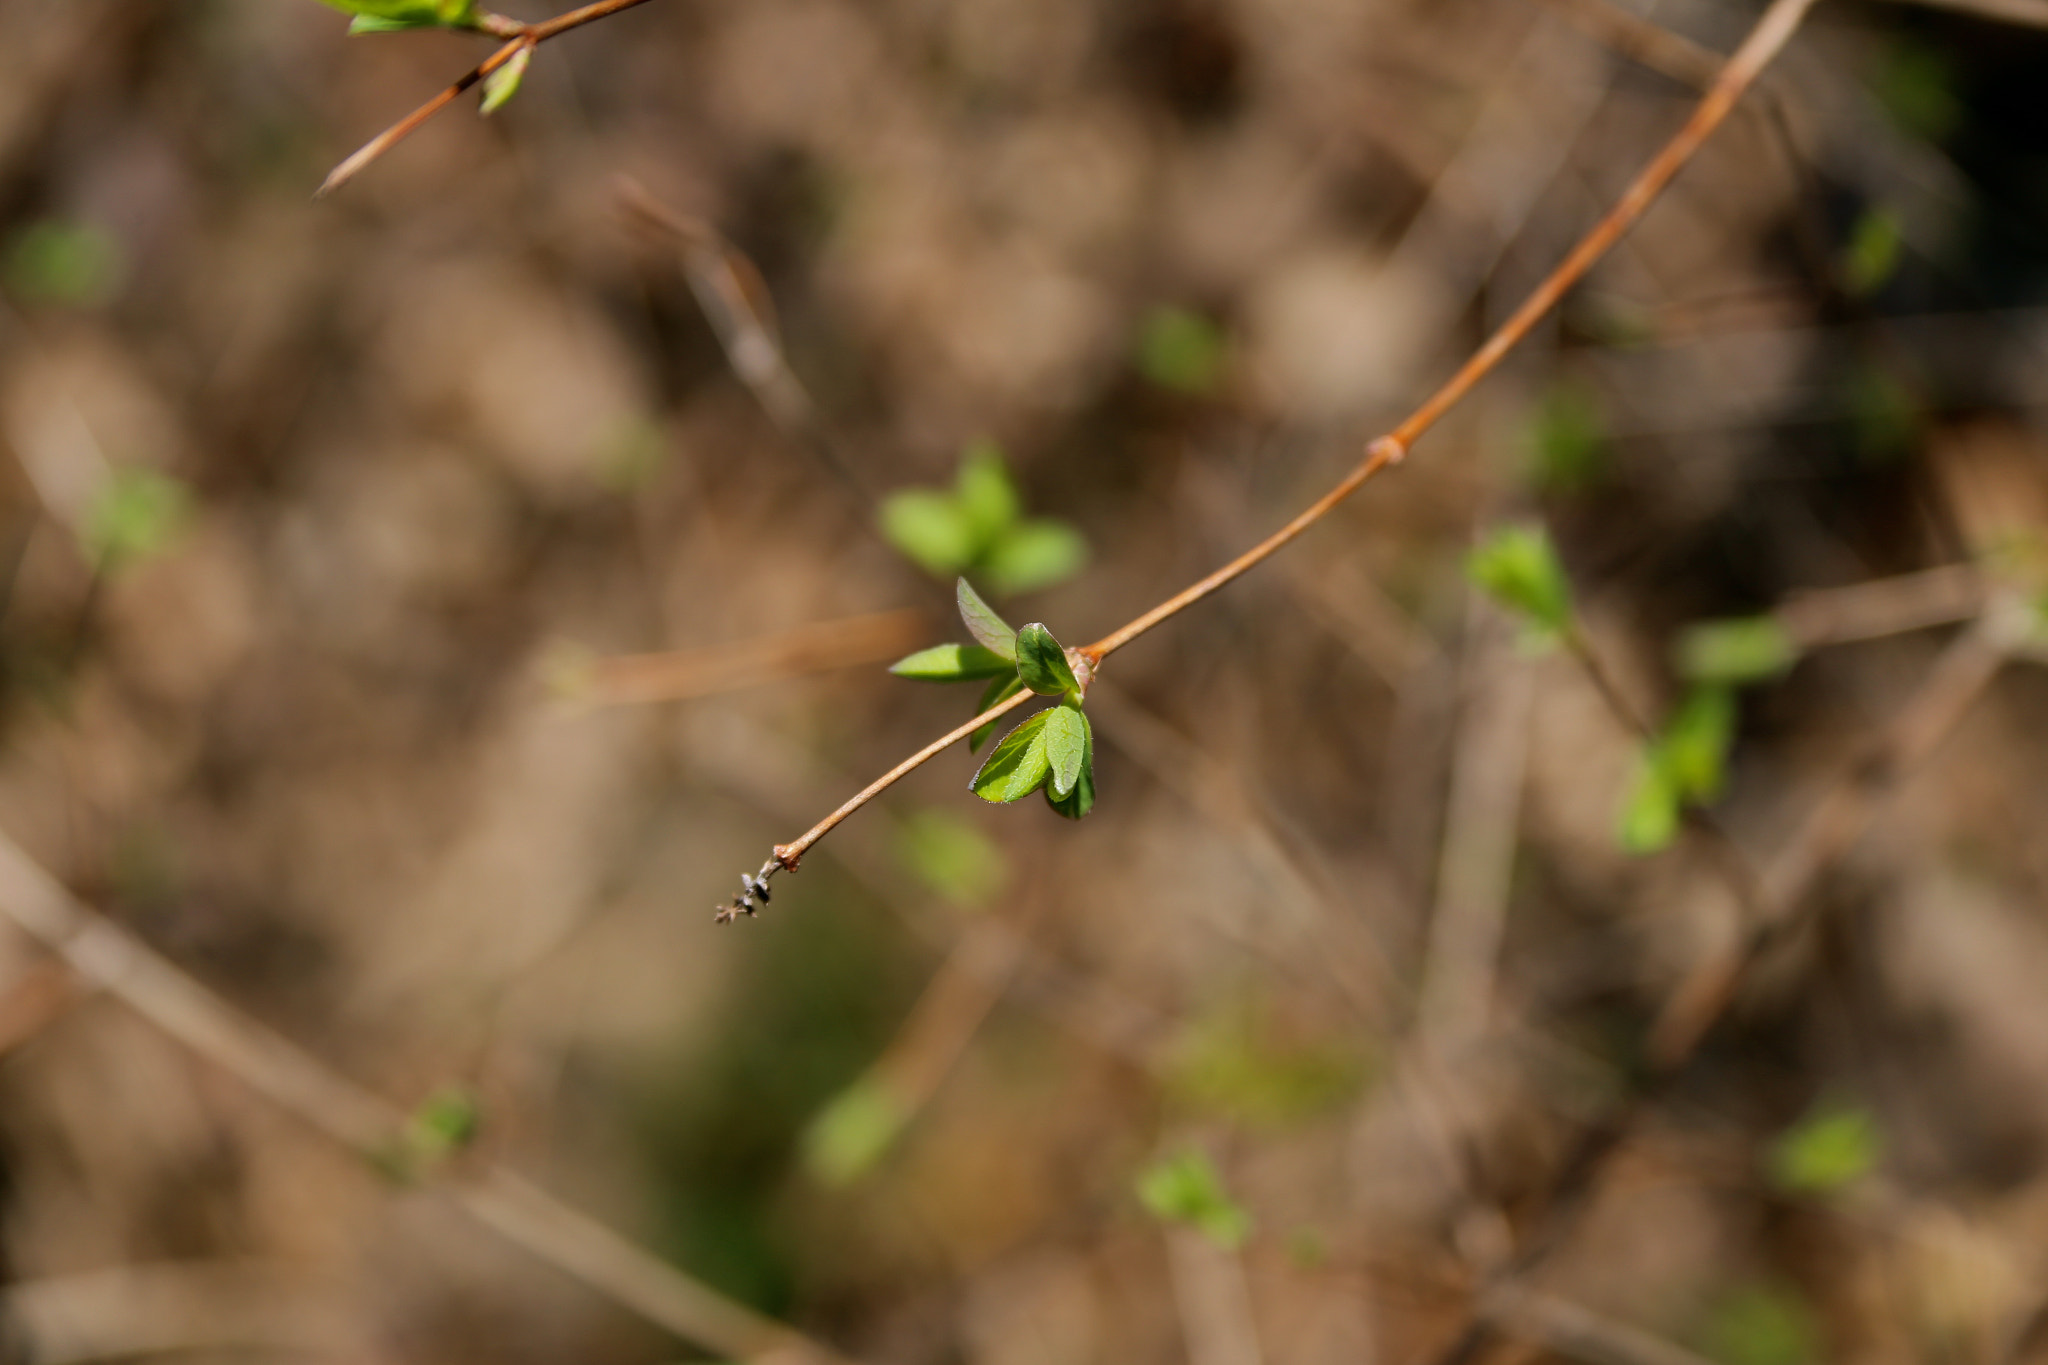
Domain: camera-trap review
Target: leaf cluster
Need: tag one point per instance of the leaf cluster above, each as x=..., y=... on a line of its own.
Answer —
x=394, y=16
x=978, y=526
x=1053, y=749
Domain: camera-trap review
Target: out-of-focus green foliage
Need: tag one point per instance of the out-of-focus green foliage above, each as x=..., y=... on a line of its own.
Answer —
x=1738, y=650
x=1761, y=1324
x=55, y=261
x=1567, y=439
x=853, y=1133
x=1828, y=1149
x=1518, y=569
x=1917, y=88
x=136, y=514
x=1872, y=255
x=1181, y=350
x=952, y=857
x=978, y=527
x=1684, y=764
x=1230, y=1064
x=1185, y=1188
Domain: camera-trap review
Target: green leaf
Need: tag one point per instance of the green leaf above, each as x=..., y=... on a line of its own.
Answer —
x=1017, y=766
x=1695, y=743
x=1872, y=256
x=929, y=528
x=1066, y=747
x=983, y=623
x=954, y=663
x=1649, y=818
x=1185, y=1188
x=443, y=1125
x=1181, y=350
x=1519, y=569
x=365, y=24
x=63, y=262
x=999, y=691
x=501, y=85
x=852, y=1133
x=1685, y=763
x=136, y=514
x=952, y=857
x=984, y=494
x=384, y=16
x=1825, y=1151
x=1079, y=801
x=1916, y=84
x=1738, y=650
x=1042, y=663
x=1568, y=439
x=1762, y=1325
x=1036, y=554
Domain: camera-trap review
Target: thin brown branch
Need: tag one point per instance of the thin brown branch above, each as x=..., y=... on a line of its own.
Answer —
x=676, y=675
x=104, y=955
x=1770, y=35
x=520, y=37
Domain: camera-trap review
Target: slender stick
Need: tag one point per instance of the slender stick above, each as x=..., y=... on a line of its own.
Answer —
x=1765, y=41
x=520, y=37
x=102, y=954
x=786, y=855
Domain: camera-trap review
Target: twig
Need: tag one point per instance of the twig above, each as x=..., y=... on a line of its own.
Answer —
x=110, y=958
x=1478, y=859
x=521, y=38
x=675, y=675
x=1770, y=35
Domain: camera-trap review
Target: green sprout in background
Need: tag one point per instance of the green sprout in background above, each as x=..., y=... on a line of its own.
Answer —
x=978, y=526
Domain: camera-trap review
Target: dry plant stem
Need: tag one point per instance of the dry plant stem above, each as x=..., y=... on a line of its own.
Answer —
x=105, y=956
x=1771, y=33
x=627, y=679
x=521, y=37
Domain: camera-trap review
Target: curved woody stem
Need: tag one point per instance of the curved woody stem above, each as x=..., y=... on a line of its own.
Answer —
x=1764, y=42
x=518, y=36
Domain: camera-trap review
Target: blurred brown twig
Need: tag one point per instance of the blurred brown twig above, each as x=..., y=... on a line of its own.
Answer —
x=109, y=958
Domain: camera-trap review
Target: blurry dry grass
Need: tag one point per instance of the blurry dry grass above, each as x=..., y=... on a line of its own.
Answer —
x=1351, y=917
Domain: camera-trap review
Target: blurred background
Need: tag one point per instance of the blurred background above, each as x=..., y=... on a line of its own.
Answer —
x=414, y=624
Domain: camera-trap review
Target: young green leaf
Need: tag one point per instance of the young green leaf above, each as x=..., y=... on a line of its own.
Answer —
x=983, y=491
x=999, y=691
x=1181, y=350
x=385, y=16
x=983, y=623
x=1036, y=554
x=1825, y=1151
x=501, y=85
x=1695, y=743
x=1519, y=569
x=930, y=530
x=1017, y=766
x=852, y=1133
x=135, y=514
x=1739, y=650
x=1042, y=663
x=1081, y=799
x=1066, y=747
x=1649, y=819
x=954, y=663
x=1684, y=763
x=1185, y=1188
